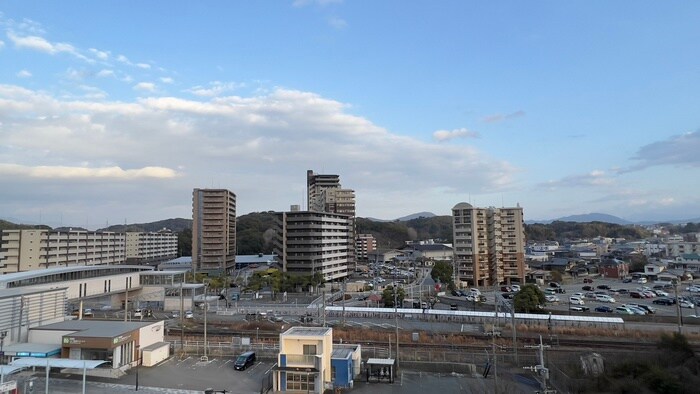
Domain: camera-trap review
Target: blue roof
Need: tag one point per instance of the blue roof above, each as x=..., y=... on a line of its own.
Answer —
x=255, y=258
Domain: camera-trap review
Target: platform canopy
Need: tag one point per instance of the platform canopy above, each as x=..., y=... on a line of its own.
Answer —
x=9, y=369
x=56, y=363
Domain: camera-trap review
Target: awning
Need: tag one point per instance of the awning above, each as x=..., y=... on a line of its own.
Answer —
x=295, y=369
x=28, y=349
x=56, y=363
x=380, y=361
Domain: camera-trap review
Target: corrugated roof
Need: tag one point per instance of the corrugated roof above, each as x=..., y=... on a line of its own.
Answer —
x=20, y=291
x=308, y=331
x=56, y=363
x=60, y=270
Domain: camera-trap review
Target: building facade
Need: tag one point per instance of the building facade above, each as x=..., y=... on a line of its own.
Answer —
x=307, y=243
x=27, y=250
x=489, y=245
x=213, y=231
x=364, y=245
x=150, y=247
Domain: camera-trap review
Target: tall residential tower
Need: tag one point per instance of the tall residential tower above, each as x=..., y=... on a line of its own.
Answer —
x=489, y=245
x=213, y=231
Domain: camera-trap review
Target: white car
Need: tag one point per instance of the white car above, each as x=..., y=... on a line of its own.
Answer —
x=694, y=289
x=661, y=293
x=686, y=304
x=138, y=313
x=576, y=301
x=515, y=288
x=642, y=280
x=475, y=291
x=604, y=298
x=551, y=298
x=189, y=315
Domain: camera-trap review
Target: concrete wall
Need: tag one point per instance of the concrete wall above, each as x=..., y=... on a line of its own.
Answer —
x=151, y=334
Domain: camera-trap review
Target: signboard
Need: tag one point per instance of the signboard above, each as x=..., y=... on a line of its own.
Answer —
x=8, y=386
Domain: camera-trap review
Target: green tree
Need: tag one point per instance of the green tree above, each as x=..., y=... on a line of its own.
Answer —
x=184, y=242
x=388, y=296
x=528, y=299
x=442, y=272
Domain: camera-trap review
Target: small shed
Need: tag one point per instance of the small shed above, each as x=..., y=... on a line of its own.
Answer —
x=155, y=353
x=380, y=370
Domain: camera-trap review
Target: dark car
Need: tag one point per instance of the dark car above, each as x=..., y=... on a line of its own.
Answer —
x=587, y=280
x=587, y=288
x=603, y=287
x=505, y=289
x=647, y=308
x=560, y=290
x=664, y=301
x=622, y=291
x=554, y=284
x=603, y=309
x=244, y=361
x=636, y=294
x=627, y=280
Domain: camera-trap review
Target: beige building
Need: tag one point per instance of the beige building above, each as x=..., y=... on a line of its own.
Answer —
x=489, y=245
x=150, y=247
x=27, y=250
x=304, y=360
x=213, y=230
x=314, y=242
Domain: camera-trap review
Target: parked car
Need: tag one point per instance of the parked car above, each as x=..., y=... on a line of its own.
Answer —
x=550, y=290
x=648, y=294
x=189, y=315
x=175, y=314
x=623, y=291
x=589, y=295
x=576, y=301
x=475, y=291
x=635, y=294
x=624, y=310
x=138, y=313
x=686, y=304
x=693, y=289
x=579, y=308
x=604, y=298
x=515, y=288
x=587, y=288
x=627, y=280
x=661, y=293
x=587, y=280
x=551, y=298
x=604, y=309
x=647, y=308
x=554, y=284
x=664, y=301
x=559, y=290
x=244, y=361
x=603, y=287
x=642, y=280
x=87, y=312
x=505, y=289
x=636, y=310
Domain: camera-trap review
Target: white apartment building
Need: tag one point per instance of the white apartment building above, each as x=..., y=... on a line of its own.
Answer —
x=675, y=249
x=27, y=250
x=314, y=242
x=489, y=245
x=150, y=247
x=213, y=230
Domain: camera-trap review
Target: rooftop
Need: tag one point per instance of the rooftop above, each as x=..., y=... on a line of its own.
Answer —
x=309, y=331
x=95, y=328
x=20, y=291
x=60, y=270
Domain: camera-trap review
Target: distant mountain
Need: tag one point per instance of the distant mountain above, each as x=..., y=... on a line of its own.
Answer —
x=176, y=225
x=416, y=216
x=594, y=217
x=8, y=225
x=406, y=218
x=585, y=218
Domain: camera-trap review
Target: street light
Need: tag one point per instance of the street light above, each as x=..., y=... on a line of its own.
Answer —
x=206, y=284
x=138, y=362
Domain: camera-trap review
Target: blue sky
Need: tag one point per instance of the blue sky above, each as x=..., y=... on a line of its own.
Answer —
x=114, y=111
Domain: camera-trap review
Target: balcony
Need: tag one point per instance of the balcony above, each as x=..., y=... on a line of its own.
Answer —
x=301, y=360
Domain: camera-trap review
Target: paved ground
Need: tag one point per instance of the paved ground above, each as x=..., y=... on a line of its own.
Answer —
x=189, y=376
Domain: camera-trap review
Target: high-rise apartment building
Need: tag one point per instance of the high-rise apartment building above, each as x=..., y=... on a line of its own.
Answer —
x=315, y=185
x=27, y=250
x=364, y=244
x=489, y=245
x=150, y=247
x=309, y=242
x=213, y=231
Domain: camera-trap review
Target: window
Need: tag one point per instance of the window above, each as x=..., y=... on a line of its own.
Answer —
x=310, y=350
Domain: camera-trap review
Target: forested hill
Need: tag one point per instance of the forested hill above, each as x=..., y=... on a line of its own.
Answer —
x=395, y=234
x=557, y=231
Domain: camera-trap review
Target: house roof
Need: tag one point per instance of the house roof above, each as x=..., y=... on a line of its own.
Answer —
x=95, y=328
x=430, y=247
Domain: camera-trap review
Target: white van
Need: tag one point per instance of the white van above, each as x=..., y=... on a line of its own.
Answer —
x=576, y=301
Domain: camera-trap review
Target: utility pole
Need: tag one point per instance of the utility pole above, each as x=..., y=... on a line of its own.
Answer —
x=678, y=310
x=493, y=336
x=126, y=300
x=182, y=312
x=540, y=368
x=206, y=284
x=396, y=321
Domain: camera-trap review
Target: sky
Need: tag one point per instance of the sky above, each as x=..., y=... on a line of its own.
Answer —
x=112, y=112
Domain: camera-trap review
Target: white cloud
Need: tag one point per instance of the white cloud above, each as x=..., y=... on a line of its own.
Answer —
x=678, y=150
x=145, y=86
x=274, y=136
x=102, y=55
x=42, y=45
x=105, y=73
x=594, y=178
x=167, y=80
x=304, y=3
x=2, y=44
x=113, y=173
x=215, y=88
x=24, y=74
x=446, y=135
x=123, y=59
x=145, y=66
x=501, y=117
